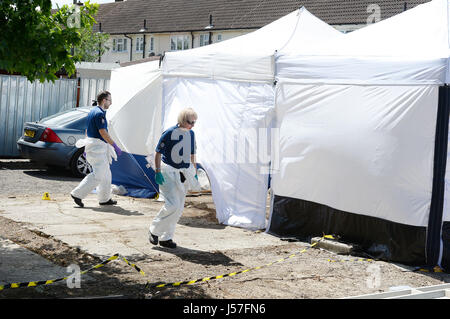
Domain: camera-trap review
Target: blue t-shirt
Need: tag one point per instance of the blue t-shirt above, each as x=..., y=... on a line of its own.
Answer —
x=96, y=120
x=176, y=146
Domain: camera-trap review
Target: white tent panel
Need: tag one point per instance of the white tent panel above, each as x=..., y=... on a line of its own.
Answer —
x=230, y=85
x=227, y=134
x=250, y=57
x=135, y=116
x=420, y=32
x=362, y=149
x=360, y=70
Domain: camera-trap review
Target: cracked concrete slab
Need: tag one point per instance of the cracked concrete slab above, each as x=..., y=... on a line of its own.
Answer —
x=104, y=231
x=18, y=264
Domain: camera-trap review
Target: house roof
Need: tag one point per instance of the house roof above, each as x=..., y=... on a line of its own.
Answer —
x=193, y=15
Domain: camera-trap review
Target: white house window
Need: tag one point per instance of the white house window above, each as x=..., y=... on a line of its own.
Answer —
x=180, y=42
x=204, y=39
x=120, y=45
x=139, y=44
x=219, y=37
x=152, y=44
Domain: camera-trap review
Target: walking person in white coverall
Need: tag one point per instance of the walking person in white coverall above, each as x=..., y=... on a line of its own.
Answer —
x=175, y=164
x=100, y=149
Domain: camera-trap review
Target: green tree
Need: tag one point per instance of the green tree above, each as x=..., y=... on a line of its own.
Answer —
x=92, y=46
x=36, y=42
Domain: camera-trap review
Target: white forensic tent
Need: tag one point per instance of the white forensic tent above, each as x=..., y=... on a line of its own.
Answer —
x=231, y=87
x=134, y=122
x=363, y=126
x=353, y=125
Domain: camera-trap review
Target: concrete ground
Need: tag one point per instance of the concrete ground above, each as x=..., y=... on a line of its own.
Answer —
x=40, y=238
x=103, y=231
x=18, y=264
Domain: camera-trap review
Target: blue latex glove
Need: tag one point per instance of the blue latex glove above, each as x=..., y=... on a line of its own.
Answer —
x=117, y=149
x=159, y=178
x=196, y=177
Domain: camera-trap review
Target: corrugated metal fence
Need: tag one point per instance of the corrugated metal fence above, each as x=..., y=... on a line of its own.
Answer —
x=22, y=101
x=89, y=88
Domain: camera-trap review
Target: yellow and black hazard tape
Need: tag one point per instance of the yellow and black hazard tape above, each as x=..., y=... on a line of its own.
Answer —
x=48, y=282
x=430, y=269
x=205, y=279
x=134, y=266
x=157, y=285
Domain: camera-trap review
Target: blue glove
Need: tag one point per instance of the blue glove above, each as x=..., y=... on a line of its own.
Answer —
x=159, y=178
x=196, y=177
x=117, y=149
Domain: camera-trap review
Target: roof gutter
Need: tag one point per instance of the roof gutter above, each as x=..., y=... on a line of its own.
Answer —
x=185, y=31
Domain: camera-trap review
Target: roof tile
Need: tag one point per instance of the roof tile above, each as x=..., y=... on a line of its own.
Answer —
x=193, y=15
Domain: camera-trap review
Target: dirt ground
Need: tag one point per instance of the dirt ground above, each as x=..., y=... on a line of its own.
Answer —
x=310, y=273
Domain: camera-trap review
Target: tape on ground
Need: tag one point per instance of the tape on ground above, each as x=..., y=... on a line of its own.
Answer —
x=48, y=282
x=160, y=285
x=205, y=279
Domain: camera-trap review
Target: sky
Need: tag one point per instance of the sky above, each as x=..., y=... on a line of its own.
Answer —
x=63, y=2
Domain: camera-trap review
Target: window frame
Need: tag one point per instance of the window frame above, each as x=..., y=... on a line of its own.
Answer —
x=152, y=44
x=140, y=44
x=179, y=42
x=203, y=39
x=122, y=42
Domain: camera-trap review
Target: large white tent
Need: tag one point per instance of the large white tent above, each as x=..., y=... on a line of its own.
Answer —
x=231, y=86
x=363, y=138
x=351, y=128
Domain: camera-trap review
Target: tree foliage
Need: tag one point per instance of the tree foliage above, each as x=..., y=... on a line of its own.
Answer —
x=36, y=42
x=92, y=46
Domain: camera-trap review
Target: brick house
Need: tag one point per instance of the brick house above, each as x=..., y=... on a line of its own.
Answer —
x=142, y=28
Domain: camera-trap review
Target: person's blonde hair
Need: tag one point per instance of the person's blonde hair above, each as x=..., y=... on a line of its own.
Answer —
x=186, y=115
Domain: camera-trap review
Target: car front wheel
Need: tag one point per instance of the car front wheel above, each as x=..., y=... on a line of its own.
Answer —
x=79, y=165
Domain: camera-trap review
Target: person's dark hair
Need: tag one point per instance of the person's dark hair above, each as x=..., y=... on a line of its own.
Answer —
x=102, y=95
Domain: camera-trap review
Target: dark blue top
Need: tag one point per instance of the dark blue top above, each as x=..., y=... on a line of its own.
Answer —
x=176, y=146
x=96, y=120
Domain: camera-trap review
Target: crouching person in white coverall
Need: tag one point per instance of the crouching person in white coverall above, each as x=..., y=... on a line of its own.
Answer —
x=100, y=150
x=175, y=164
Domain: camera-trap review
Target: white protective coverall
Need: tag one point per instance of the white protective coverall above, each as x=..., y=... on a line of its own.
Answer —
x=174, y=193
x=99, y=155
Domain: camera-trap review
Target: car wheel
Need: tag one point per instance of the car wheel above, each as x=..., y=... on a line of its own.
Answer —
x=79, y=165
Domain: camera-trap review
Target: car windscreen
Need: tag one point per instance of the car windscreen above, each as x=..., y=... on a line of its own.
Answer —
x=63, y=118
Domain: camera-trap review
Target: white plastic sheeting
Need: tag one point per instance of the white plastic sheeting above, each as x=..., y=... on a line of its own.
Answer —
x=230, y=85
x=371, y=146
x=250, y=57
x=357, y=116
x=230, y=116
x=361, y=70
x=418, y=32
x=361, y=149
x=331, y=91
x=135, y=116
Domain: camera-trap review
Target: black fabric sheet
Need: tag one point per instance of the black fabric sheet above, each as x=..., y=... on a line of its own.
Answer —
x=383, y=239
